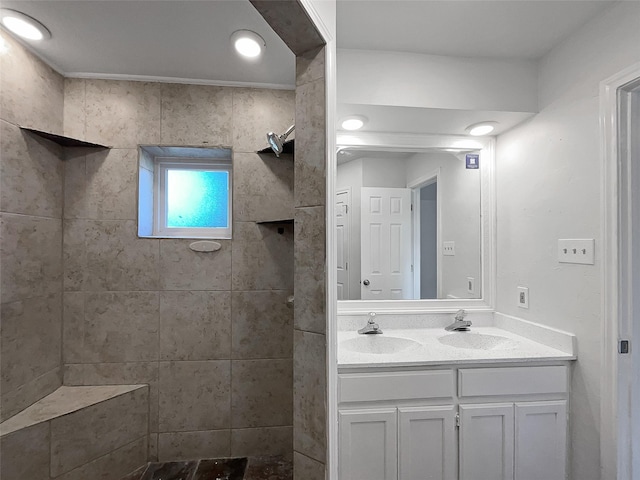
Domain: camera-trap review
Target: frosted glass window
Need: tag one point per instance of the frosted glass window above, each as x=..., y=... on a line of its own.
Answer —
x=185, y=192
x=197, y=199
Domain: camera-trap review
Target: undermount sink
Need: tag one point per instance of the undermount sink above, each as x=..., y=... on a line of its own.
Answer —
x=477, y=341
x=378, y=344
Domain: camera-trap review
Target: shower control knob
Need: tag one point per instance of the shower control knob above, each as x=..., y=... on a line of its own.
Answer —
x=366, y=283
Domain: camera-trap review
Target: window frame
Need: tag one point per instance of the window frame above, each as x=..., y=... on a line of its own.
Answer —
x=162, y=165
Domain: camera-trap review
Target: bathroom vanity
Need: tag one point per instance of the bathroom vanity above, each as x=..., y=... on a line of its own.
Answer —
x=482, y=405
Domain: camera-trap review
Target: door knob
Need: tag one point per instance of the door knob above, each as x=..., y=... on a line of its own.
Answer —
x=366, y=283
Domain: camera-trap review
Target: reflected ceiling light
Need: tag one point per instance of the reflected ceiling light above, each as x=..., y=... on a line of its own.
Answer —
x=247, y=43
x=353, y=122
x=482, y=128
x=23, y=25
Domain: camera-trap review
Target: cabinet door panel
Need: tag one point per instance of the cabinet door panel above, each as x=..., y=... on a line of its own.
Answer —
x=427, y=443
x=541, y=440
x=486, y=442
x=368, y=444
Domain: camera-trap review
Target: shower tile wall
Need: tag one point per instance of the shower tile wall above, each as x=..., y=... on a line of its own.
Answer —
x=31, y=172
x=309, y=371
x=210, y=332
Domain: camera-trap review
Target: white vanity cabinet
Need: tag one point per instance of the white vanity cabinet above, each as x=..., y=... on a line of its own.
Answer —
x=397, y=425
x=497, y=423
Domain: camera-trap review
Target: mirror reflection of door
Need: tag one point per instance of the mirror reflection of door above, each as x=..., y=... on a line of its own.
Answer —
x=343, y=201
x=386, y=244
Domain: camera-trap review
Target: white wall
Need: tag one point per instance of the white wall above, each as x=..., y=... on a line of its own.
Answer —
x=432, y=81
x=548, y=187
x=383, y=172
x=460, y=218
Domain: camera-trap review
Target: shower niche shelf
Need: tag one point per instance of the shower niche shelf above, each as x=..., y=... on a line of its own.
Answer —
x=287, y=148
x=62, y=140
x=282, y=221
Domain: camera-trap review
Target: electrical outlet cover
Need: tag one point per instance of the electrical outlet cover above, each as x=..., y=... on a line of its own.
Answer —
x=523, y=297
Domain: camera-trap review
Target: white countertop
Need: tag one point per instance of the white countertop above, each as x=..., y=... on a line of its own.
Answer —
x=429, y=351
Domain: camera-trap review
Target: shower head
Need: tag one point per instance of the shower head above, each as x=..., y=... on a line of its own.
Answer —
x=276, y=141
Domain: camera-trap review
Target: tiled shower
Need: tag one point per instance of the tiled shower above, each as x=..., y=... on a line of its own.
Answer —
x=86, y=302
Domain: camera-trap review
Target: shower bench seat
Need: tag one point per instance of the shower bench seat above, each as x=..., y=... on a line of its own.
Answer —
x=77, y=433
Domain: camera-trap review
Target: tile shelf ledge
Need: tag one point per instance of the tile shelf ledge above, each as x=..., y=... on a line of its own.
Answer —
x=288, y=147
x=62, y=140
x=273, y=222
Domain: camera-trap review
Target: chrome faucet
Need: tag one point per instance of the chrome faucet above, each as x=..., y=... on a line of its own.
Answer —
x=460, y=325
x=371, y=327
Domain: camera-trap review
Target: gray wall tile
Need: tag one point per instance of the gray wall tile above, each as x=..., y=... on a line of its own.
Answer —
x=310, y=66
x=262, y=259
x=195, y=395
x=305, y=468
x=74, y=254
x=112, y=466
x=261, y=393
x=309, y=394
x=248, y=442
x=30, y=251
x=121, y=327
x=87, y=434
x=25, y=453
x=195, y=325
x=74, y=108
x=184, y=269
x=118, y=373
x=177, y=446
x=102, y=185
x=257, y=112
x=32, y=92
x=262, y=325
x=310, y=161
x=117, y=260
x=31, y=172
x=196, y=114
x=30, y=340
x=14, y=401
x=262, y=187
x=122, y=114
x=310, y=268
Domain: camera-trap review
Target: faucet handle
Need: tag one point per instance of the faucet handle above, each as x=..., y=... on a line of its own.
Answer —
x=372, y=317
x=460, y=314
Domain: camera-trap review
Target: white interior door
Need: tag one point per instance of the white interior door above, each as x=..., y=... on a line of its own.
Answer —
x=343, y=200
x=386, y=244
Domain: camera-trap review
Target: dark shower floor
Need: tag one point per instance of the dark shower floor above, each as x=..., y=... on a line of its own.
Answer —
x=252, y=468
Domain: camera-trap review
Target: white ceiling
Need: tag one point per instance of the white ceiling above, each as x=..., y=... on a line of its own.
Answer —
x=524, y=29
x=504, y=29
x=188, y=40
x=181, y=39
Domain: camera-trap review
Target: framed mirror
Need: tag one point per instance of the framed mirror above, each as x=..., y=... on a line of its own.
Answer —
x=415, y=222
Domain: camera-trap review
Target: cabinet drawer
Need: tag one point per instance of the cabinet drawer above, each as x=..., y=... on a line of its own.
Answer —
x=477, y=382
x=367, y=387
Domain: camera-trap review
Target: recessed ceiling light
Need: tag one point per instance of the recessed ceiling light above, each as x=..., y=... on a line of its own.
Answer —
x=23, y=25
x=482, y=128
x=354, y=122
x=247, y=43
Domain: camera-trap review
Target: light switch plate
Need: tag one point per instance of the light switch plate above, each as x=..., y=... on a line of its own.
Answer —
x=523, y=297
x=448, y=249
x=576, y=250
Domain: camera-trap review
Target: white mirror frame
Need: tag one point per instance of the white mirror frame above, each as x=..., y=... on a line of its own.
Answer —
x=399, y=142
